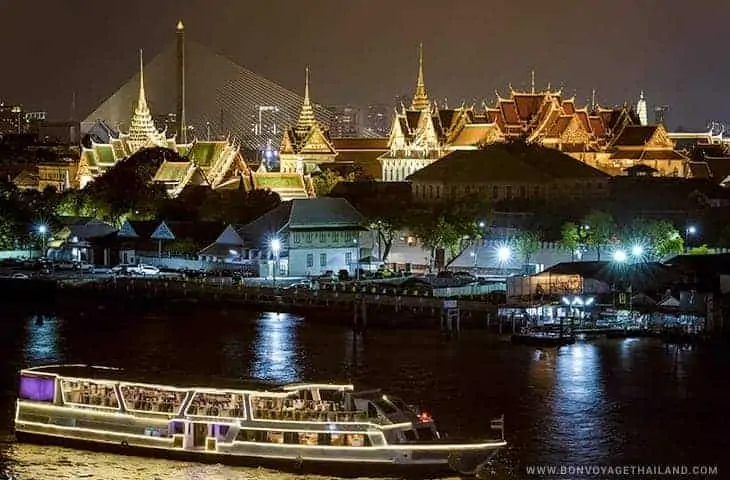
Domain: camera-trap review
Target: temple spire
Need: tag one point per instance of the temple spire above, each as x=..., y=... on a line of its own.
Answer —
x=142, y=130
x=593, y=99
x=141, y=99
x=420, y=99
x=532, y=80
x=306, y=116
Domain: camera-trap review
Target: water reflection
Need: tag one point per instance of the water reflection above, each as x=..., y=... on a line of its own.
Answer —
x=275, y=348
x=43, y=342
x=578, y=400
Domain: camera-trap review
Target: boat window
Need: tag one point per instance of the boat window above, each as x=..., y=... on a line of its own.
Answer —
x=425, y=433
x=227, y=405
x=149, y=399
x=332, y=396
x=275, y=437
x=399, y=403
x=349, y=440
x=385, y=405
x=410, y=435
x=251, y=436
x=40, y=389
x=85, y=392
x=302, y=410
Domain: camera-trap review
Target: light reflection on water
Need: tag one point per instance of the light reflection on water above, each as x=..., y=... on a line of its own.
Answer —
x=274, y=348
x=606, y=401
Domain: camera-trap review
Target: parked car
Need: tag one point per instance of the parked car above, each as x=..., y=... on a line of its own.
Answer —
x=143, y=269
x=65, y=265
x=20, y=276
x=123, y=268
x=83, y=266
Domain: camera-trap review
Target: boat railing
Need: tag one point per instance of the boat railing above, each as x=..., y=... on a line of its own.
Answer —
x=302, y=415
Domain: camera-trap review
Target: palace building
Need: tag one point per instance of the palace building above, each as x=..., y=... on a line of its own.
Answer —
x=610, y=139
x=307, y=145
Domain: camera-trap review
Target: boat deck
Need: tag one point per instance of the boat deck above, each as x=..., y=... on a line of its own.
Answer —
x=182, y=380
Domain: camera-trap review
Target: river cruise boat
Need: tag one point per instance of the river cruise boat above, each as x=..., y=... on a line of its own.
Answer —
x=324, y=428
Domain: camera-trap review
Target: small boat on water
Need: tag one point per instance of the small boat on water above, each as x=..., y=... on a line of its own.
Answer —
x=546, y=339
x=323, y=428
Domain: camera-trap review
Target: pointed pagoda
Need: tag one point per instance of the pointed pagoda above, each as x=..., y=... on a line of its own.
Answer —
x=307, y=145
x=419, y=133
x=420, y=98
x=142, y=131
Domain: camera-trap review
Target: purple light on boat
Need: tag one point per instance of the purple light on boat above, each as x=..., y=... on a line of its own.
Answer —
x=37, y=388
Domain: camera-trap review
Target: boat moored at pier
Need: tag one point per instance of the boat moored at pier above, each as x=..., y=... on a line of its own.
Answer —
x=327, y=428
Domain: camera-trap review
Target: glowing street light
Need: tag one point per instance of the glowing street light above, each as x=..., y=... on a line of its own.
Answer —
x=504, y=254
x=42, y=230
x=619, y=256
x=691, y=230
x=637, y=251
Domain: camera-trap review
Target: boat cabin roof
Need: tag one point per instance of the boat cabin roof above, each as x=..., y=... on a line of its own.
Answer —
x=173, y=380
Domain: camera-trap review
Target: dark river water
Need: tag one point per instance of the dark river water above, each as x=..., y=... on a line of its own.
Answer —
x=603, y=402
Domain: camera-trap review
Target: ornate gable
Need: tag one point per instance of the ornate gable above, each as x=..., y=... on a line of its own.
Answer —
x=316, y=142
x=287, y=145
x=575, y=132
x=397, y=140
x=660, y=139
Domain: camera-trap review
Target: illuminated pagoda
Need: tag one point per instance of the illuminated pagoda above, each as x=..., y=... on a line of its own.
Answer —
x=306, y=146
x=217, y=164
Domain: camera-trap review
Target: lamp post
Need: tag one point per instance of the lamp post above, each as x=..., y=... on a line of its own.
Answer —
x=275, y=246
x=689, y=231
x=503, y=255
x=42, y=230
x=357, y=259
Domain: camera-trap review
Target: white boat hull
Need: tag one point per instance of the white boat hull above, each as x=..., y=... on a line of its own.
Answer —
x=126, y=434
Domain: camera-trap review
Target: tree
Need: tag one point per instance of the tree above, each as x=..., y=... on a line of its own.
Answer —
x=657, y=238
x=570, y=238
x=325, y=182
x=126, y=188
x=451, y=225
x=527, y=244
x=600, y=230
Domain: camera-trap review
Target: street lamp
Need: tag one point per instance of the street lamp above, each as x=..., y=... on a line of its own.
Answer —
x=619, y=256
x=42, y=230
x=503, y=255
x=357, y=259
x=275, y=247
x=637, y=251
x=689, y=231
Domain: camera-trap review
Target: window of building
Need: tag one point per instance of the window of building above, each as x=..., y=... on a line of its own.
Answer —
x=297, y=237
x=322, y=259
x=508, y=191
x=310, y=260
x=348, y=258
x=308, y=237
x=322, y=237
x=495, y=192
x=523, y=191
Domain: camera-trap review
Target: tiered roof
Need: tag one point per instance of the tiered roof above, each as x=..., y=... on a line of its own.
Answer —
x=308, y=136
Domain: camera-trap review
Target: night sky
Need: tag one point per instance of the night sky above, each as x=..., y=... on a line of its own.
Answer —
x=363, y=51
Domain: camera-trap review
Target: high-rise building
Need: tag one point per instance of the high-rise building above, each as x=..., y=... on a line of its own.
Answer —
x=660, y=114
x=345, y=121
x=12, y=119
x=166, y=123
x=641, y=110
x=377, y=120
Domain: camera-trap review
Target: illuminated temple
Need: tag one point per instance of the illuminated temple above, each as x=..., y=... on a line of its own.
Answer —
x=610, y=139
x=214, y=163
